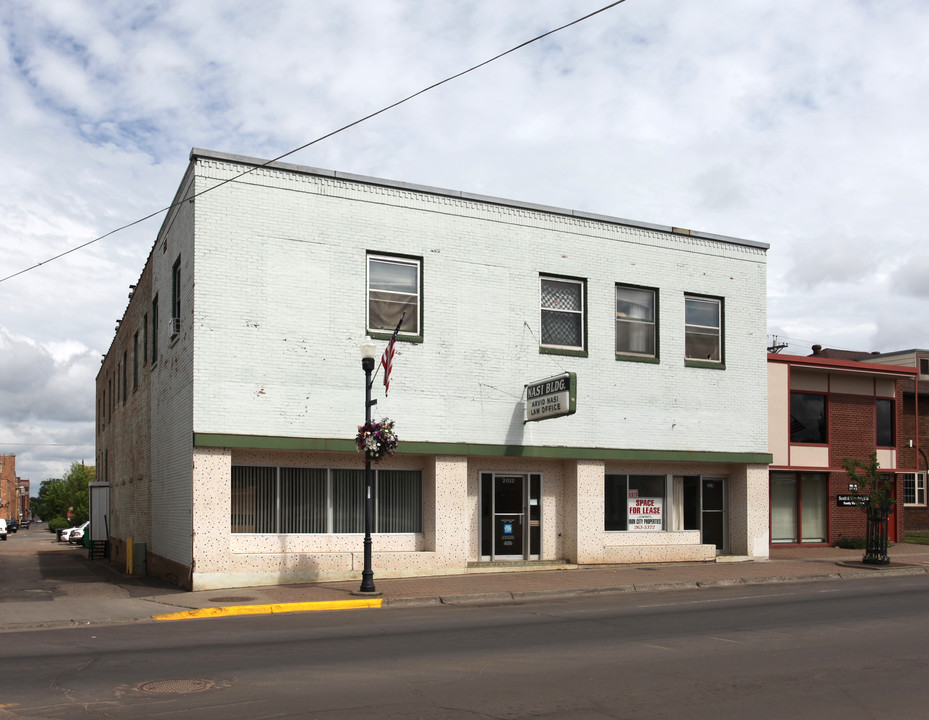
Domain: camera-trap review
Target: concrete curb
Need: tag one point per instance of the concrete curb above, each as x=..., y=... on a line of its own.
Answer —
x=496, y=598
x=271, y=609
x=182, y=606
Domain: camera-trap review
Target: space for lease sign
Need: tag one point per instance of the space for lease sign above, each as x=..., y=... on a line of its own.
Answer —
x=551, y=397
x=644, y=513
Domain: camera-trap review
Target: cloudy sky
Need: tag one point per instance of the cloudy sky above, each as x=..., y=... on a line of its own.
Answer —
x=791, y=122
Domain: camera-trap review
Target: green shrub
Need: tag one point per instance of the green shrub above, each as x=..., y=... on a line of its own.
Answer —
x=851, y=543
x=58, y=523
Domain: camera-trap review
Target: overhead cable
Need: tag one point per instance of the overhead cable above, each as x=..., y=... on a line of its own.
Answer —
x=317, y=140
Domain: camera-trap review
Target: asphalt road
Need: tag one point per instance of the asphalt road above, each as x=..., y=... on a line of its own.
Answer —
x=854, y=650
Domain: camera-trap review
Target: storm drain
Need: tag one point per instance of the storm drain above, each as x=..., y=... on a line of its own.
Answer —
x=231, y=599
x=174, y=687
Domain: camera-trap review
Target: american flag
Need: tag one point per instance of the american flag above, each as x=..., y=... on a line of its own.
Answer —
x=387, y=359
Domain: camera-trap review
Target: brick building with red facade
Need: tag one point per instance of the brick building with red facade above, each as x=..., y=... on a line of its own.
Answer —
x=916, y=427
x=914, y=430
x=8, y=495
x=822, y=410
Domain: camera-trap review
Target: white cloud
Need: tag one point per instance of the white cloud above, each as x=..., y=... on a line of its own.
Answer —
x=53, y=383
x=793, y=123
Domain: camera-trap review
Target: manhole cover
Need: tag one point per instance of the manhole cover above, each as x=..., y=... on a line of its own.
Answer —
x=175, y=687
x=231, y=598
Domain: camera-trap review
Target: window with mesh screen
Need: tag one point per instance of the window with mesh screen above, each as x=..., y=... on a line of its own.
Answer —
x=562, y=303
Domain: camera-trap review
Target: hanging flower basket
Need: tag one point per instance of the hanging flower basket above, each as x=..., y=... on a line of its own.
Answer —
x=377, y=439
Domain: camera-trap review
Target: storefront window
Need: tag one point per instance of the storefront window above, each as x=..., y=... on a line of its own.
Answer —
x=814, y=489
x=783, y=508
x=318, y=500
x=635, y=503
x=799, y=507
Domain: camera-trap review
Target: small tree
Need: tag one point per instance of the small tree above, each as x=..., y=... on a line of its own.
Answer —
x=874, y=498
x=56, y=497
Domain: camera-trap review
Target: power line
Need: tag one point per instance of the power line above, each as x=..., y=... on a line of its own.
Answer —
x=798, y=342
x=20, y=444
x=321, y=138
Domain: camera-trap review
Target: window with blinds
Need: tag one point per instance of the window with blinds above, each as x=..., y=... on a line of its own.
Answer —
x=272, y=500
x=635, y=321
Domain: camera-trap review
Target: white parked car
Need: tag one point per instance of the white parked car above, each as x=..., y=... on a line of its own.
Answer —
x=76, y=535
x=3, y=531
x=65, y=535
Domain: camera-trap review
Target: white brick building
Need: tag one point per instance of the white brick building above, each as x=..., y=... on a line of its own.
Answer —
x=243, y=342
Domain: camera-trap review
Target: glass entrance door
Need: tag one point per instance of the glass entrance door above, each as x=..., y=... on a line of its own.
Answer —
x=511, y=516
x=713, y=509
x=704, y=508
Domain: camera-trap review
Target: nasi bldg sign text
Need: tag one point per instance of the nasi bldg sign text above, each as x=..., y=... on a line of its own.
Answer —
x=551, y=397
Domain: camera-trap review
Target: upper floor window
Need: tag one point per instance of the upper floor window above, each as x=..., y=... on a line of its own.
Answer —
x=154, y=330
x=176, y=297
x=394, y=286
x=635, y=321
x=135, y=361
x=808, y=418
x=562, y=305
x=703, y=328
x=884, y=421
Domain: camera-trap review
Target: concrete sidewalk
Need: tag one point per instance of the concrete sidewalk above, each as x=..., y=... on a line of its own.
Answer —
x=115, y=598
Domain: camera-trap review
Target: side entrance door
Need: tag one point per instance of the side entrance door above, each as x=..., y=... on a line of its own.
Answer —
x=704, y=500
x=713, y=526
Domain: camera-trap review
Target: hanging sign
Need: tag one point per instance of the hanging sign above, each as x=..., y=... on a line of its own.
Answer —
x=551, y=397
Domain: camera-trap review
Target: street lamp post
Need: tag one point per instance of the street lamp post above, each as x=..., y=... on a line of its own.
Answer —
x=368, y=353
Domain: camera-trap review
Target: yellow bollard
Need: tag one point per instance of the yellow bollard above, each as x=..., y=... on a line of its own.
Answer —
x=129, y=556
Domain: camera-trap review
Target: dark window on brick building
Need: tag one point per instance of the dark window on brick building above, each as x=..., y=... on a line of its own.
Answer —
x=884, y=418
x=808, y=418
x=135, y=361
x=154, y=330
x=176, y=297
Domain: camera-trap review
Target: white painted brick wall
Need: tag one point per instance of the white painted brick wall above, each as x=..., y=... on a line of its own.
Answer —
x=172, y=392
x=279, y=311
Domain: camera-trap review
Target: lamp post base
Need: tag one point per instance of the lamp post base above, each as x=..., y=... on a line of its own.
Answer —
x=367, y=582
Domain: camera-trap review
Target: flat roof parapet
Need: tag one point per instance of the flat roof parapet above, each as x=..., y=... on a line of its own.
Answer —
x=396, y=184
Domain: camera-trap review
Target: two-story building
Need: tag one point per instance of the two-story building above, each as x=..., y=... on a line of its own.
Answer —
x=914, y=429
x=229, y=400
x=822, y=410
x=8, y=484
